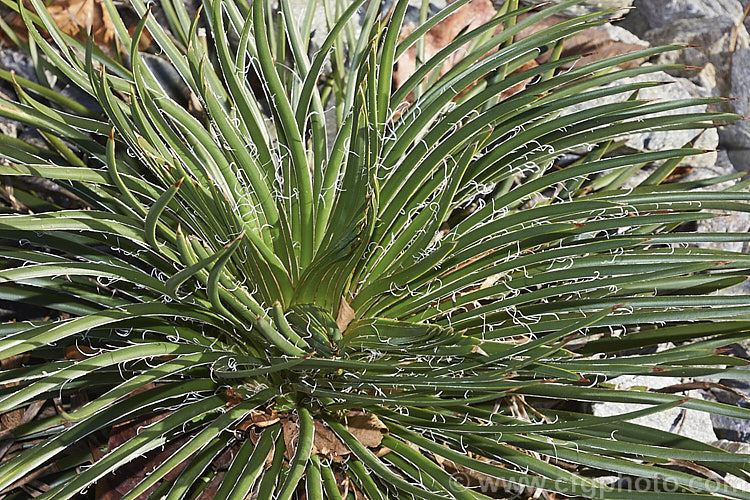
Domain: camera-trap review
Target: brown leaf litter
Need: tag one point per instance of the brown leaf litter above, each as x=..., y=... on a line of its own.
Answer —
x=595, y=43
x=78, y=18
x=366, y=427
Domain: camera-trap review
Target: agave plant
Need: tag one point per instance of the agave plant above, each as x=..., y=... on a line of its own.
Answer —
x=311, y=284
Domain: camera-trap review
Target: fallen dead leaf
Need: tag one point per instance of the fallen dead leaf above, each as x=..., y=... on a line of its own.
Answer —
x=258, y=419
x=469, y=16
x=72, y=16
x=79, y=352
x=13, y=418
x=595, y=43
x=233, y=397
x=290, y=428
x=366, y=427
x=80, y=18
x=328, y=444
x=345, y=316
x=126, y=477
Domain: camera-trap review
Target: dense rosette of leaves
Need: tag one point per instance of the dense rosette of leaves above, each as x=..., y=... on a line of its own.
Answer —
x=307, y=282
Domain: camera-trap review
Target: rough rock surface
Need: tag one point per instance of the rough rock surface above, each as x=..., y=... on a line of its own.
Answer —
x=736, y=222
x=14, y=60
x=734, y=447
x=723, y=53
x=714, y=45
x=320, y=26
x=732, y=429
x=650, y=14
x=733, y=432
x=690, y=423
x=736, y=137
x=619, y=34
x=681, y=88
x=591, y=6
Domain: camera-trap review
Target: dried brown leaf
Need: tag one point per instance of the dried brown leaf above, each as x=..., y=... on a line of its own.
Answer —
x=328, y=444
x=125, y=478
x=257, y=419
x=79, y=352
x=469, y=16
x=596, y=43
x=291, y=433
x=80, y=18
x=366, y=427
x=233, y=397
x=345, y=316
x=13, y=418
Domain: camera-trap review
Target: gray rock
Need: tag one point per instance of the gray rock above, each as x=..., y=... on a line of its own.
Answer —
x=14, y=60
x=733, y=447
x=712, y=25
x=320, y=25
x=168, y=77
x=619, y=34
x=8, y=127
x=732, y=429
x=589, y=6
x=721, y=166
x=734, y=222
x=740, y=349
x=690, y=423
x=714, y=39
x=739, y=156
x=652, y=14
x=412, y=11
x=707, y=79
x=737, y=393
x=740, y=81
x=736, y=137
x=680, y=88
